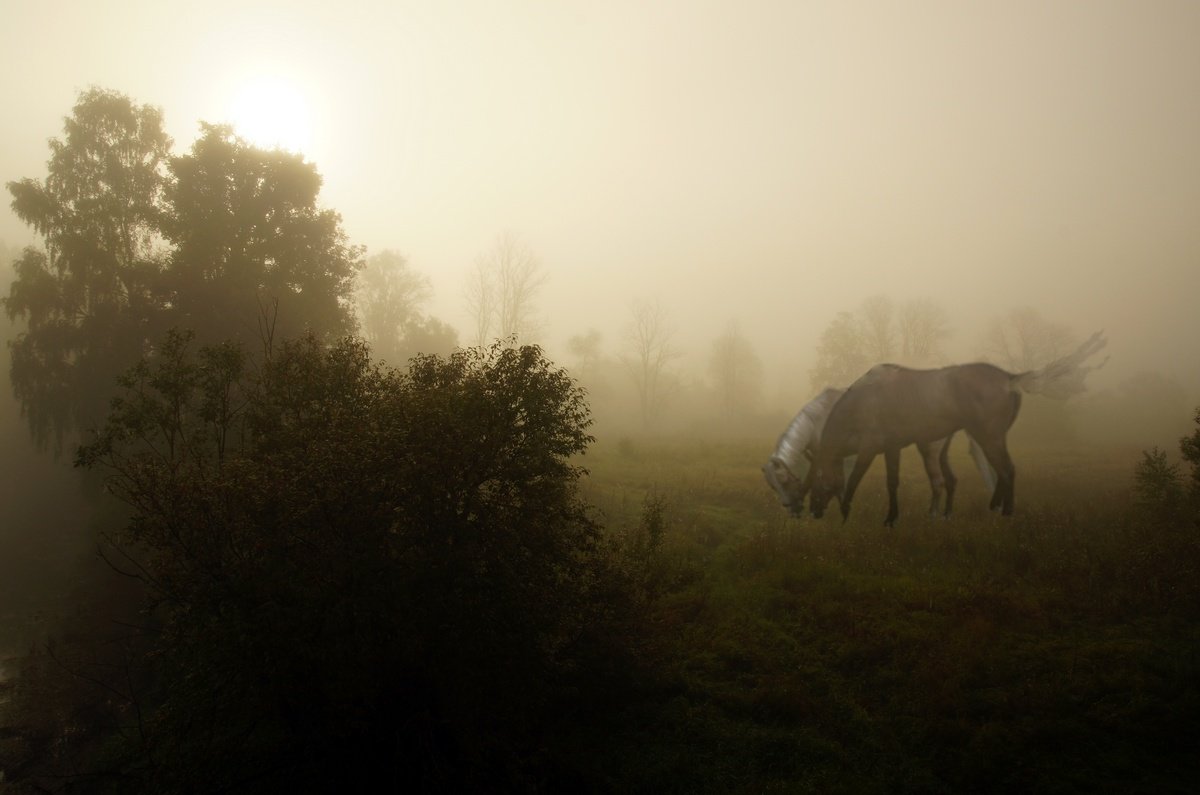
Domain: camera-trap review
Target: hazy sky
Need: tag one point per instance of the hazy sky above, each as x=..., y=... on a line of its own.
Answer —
x=765, y=162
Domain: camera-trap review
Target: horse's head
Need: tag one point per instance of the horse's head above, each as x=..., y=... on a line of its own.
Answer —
x=827, y=483
x=790, y=486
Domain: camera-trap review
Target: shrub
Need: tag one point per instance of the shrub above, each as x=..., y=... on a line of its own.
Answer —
x=356, y=575
x=1157, y=484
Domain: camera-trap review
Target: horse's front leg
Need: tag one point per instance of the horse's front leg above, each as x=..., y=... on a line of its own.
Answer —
x=861, y=465
x=891, y=457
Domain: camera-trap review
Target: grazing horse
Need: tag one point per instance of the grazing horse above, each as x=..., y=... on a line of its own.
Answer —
x=891, y=407
x=787, y=469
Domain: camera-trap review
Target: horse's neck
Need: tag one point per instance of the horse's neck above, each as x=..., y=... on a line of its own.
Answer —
x=804, y=431
x=799, y=436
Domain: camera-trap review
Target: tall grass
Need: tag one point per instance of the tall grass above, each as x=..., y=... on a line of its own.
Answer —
x=1057, y=650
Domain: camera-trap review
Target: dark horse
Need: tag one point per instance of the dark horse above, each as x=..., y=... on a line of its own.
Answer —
x=891, y=407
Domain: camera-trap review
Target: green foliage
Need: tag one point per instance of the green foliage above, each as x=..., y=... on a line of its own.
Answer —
x=356, y=575
x=389, y=303
x=136, y=241
x=1189, y=447
x=1157, y=487
x=90, y=296
x=246, y=228
x=1055, y=651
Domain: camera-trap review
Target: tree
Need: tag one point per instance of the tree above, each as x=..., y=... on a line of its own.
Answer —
x=89, y=298
x=502, y=289
x=246, y=230
x=390, y=296
x=841, y=357
x=923, y=326
x=650, y=350
x=481, y=302
x=428, y=336
x=853, y=342
x=357, y=575
x=877, y=330
x=586, y=350
x=736, y=371
x=389, y=300
x=1024, y=340
x=136, y=241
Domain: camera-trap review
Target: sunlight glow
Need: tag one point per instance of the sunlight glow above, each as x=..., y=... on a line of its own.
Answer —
x=271, y=111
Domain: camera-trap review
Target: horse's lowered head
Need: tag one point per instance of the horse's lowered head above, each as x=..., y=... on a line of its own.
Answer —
x=790, y=486
x=788, y=469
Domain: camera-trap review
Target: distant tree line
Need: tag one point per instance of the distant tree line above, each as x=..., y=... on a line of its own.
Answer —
x=910, y=333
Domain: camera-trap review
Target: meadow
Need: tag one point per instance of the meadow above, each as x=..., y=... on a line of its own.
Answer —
x=1053, y=651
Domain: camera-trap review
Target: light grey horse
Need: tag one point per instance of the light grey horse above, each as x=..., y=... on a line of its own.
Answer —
x=787, y=469
x=891, y=407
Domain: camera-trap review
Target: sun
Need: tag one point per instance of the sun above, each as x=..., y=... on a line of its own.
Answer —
x=271, y=111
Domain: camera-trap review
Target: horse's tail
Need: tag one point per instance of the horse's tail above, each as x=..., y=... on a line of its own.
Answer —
x=1063, y=378
x=981, y=463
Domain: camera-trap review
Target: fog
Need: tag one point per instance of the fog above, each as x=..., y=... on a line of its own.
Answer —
x=768, y=163
x=739, y=183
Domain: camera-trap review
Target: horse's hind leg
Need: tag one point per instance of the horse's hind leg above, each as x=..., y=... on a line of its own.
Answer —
x=1011, y=485
x=948, y=475
x=981, y=463
x=996, y=451
x=891, y=457
x=933, y=470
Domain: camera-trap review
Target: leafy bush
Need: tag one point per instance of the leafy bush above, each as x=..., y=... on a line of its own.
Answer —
x=1189, y=446
x=1157, y=485
x=356, y=575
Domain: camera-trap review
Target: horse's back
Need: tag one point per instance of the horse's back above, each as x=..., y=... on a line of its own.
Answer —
x=892, y=405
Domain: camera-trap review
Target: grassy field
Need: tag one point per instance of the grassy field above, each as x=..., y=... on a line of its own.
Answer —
x=1054, y=651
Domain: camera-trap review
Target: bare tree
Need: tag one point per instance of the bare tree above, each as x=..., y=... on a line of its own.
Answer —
x=878, y=333
x=648, y=339
x=481, y=302
x=586, y=350
x=736, y=371
x=1025, y=340
x=502, y=289
x=389, y=300
x=923, y=326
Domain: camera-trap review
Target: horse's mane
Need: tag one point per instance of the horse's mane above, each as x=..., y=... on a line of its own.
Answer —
x=790, y=446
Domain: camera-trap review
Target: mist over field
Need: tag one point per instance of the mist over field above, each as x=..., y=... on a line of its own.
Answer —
x=703, y=214
x=769, y=164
